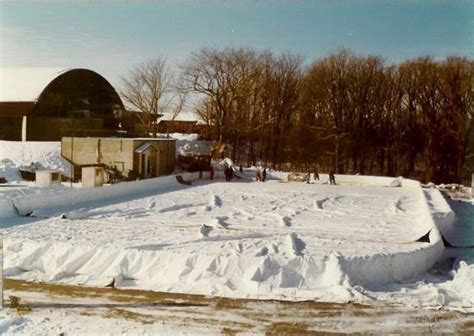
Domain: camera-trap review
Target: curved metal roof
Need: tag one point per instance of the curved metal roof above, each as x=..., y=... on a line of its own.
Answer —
x=26, y=84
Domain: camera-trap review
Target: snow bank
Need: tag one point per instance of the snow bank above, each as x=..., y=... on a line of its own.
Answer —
x=14, y=154
x=190, y=145
x=457, y=228
x=41, y=205
x=9, y=170
x=441, y=213
x=463, y=282
x=244, y=276
x=381, y=181
x=379, y=269
x=384, y=268
x=6, y=209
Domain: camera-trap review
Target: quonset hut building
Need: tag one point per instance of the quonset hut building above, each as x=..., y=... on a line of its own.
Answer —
x=43, y=104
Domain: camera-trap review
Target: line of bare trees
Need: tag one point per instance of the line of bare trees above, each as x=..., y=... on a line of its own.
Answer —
x=345, y=112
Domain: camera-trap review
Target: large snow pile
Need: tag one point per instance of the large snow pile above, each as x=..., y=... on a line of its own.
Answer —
x=184, y=147
x=184, y=136
x=261, y=240
x=189, y=143
x=15, y=154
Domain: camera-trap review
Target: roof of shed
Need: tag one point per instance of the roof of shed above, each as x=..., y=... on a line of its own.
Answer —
x=143, y=147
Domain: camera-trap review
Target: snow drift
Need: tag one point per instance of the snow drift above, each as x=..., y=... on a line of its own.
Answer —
x=14, y=154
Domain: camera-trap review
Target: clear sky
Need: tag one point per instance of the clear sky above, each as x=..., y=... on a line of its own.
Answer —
x=110, y=37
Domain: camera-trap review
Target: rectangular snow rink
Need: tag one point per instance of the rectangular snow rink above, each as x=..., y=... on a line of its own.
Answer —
x=239, y=239
x=325, y=219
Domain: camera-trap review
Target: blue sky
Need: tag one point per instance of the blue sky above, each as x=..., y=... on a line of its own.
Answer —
x=110, y=37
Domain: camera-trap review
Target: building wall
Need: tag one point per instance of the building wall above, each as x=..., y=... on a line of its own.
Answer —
x=166, y=155
x=53, y=129
x=118, y=152
x=50, y=129
x=10, y=128
x=177, y=126
x=90, y=151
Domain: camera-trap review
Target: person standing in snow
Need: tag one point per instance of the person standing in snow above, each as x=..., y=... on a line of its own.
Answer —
x=241, y=169
x=264, y=174
x=211, y=172
x=316, y=174
x=332, y=178
x=226, y=172
x=308, y=176
x=258, y=176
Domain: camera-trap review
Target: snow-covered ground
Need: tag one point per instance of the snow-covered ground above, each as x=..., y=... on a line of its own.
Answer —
x=358, y=241
x=291, y=241
x=14, y=154
x=50, y=309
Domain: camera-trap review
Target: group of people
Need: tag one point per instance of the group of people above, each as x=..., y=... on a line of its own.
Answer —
x=332, y=177
x=228, y=172
x=261, y=174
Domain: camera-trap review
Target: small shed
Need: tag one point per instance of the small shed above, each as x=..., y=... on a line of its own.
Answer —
x=45, y=178
x=146, y=160
x=93, y=177
x=131, y=157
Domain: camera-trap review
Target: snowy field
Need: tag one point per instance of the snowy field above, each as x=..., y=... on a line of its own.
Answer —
x=47, y=309
x=273, y=240
x=359, y=241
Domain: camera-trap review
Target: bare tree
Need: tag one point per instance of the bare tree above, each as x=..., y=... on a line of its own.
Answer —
x=219, y=76
x=151, y=88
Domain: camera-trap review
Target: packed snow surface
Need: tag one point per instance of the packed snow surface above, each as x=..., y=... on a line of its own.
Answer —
x=357, y=241
x=240, y=239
